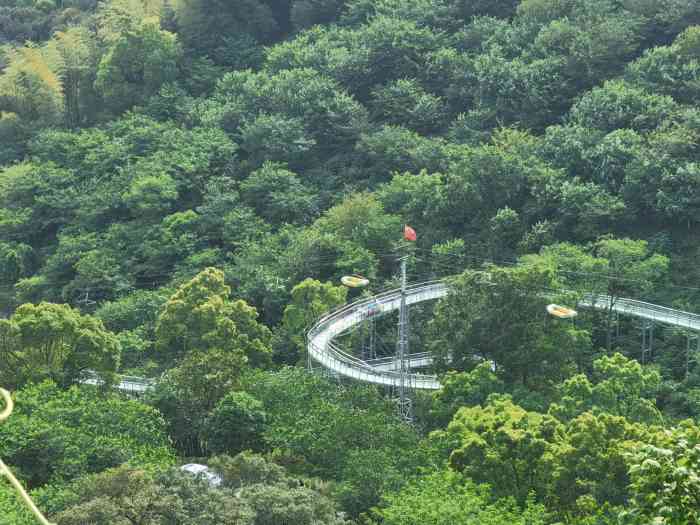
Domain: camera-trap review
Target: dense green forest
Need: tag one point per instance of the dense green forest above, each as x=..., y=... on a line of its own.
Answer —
x=184, y=183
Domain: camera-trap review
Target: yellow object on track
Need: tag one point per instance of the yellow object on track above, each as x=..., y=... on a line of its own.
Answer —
x=561, y=311
x=354, y=281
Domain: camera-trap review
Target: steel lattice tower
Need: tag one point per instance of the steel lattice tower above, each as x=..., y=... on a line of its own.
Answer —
x=405, y=408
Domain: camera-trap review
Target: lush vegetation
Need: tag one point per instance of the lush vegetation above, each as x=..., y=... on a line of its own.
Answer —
x=182, y=184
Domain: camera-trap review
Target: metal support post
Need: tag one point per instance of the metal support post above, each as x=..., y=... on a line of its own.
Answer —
x=691, y=341
x=647, y=341
x=309, y=365
x=405, y=410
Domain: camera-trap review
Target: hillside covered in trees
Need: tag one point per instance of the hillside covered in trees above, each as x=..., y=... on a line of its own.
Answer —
x=183, y=184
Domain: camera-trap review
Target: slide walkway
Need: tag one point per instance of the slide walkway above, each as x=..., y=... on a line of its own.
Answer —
x=323, y=350
x=384, y=371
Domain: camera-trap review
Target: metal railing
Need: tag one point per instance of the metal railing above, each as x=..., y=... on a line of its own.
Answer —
x=654, y=312
x=322, y=349
x=128, y=384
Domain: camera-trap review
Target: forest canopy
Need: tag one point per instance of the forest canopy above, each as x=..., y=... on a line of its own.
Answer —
x=183, y=185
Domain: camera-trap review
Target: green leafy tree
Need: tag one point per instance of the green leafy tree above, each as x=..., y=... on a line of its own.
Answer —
x=227, y=32
x=309, y=301
x=35, y=199
x=618, y=105
x=325, y=431
x=622, y=388
x=670, y=70
x=595, y=43
x=574, y=467
x=211, y=339
x=405, y=103
x=137, y=64
x=395, y=149
x=275, y=504
x=485, y=179
x=22, y=22
x=404, y=195
x=448, y=498
x=235, y=424
x=52, y=341
x=187, y=393
x=464, y=389
x=501, y=444
x=276, y=138
x=307, y=13
x=585, y=466
x=499, y=315
x=56, y=436
x=273, y=495
x=151, y=194
x=384, y=49
x=79, y=55
x=631, y=270
x=332, y=120
x=247, y=468
x=129, y=495
x=277, y=195
x=199, y=317
x=587, y=210
x=15, y=258
x=31, y=86
x=11, y=507
x=666, y=483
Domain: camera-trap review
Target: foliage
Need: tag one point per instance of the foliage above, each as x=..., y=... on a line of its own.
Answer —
x=309, y=301
x=277, y=195
x=126, y=494
x=211, y=339
x=235, y=424
x=137, y=65
x=665, y=483
x=273, y=495
x=340, y=434
x=198, y=175
x=519, y=452
x=502, y=444
x=55, y=436
x=499, y=315
x=31, y=87
x=199, y=317
x=447, y=498
x=464, y=389
x=54, y=341
x=623, y=388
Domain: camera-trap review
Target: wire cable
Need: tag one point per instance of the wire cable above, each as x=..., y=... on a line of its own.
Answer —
x=5, y=470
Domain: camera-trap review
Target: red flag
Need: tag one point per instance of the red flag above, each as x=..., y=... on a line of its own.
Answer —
x=409, y=233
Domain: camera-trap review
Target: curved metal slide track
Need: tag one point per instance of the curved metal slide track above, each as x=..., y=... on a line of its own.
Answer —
x=324, y=351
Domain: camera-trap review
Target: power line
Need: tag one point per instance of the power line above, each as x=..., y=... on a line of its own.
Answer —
x=516, y=262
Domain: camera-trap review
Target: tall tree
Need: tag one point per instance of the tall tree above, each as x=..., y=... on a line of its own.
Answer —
x=137, y=64
x=631, y=269
x=447, y=498
x=310, y=300
x=54, y=341
x=199, y=317
x=498, y=314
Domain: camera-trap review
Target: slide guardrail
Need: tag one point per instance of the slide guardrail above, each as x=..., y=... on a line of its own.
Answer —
x=322, y=349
